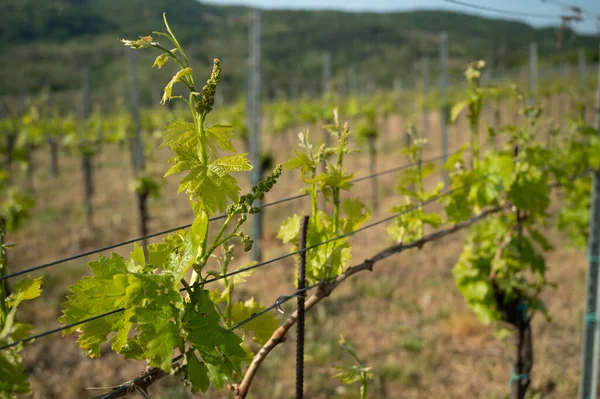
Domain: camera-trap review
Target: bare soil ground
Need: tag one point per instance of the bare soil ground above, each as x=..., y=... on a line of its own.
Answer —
x=408, y=320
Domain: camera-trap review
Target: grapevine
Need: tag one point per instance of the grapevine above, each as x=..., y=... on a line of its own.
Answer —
x=160, y=318
x=357, y=373
x=410, y=226
x=155, y=304
x=327, y=260
x=502, y=270
x=16, y=206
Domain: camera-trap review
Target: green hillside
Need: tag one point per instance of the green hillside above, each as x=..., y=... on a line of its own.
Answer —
x=49, y=43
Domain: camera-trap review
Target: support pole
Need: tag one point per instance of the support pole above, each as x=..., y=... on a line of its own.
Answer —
x=352, y=86
x=397, y=85
x=86, y=156
x=300, y=310
x=372, y=172
x=425, y=94
x=582, y=67
x=326, y=84
x=138, y=162
x=533, y=73
x=445, y=109
x=254, y=127
x=591, y=331
x=326, y=87
x=51, y=139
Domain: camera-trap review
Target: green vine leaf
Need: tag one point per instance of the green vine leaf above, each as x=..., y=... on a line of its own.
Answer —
x=220, y=348
x=262, y=327
x=26, y=289
x=410, y=223
x=330, y=259
x=14, y=379
x=179, y=133
x=220, y=137
x=300, y=161
x=326, y=260
x=196, y=372
x=210, y=185
x=356, y=215
x=457, y=109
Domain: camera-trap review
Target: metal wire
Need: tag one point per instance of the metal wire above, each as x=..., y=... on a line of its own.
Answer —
x=572, y=7
x=245, y=269
x=280, y=300
x=59, y=329
x=277, y=304
x=365, y=227
x=171, y=230
x=502, y=11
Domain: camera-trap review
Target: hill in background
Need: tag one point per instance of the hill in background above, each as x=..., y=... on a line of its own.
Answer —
x=49, y=43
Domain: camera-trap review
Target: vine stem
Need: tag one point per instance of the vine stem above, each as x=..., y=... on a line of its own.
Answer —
x=372, y=171
x=199, y=120
x=363, y=385
x=187, y=287
x=524, y=347
x=421, y=189
x=336, y=190
x=228, y=304
x=172, y=55
x=7, y=317
x=336, y=210
x=218, y=241
x=313, y=198
x=203, y=139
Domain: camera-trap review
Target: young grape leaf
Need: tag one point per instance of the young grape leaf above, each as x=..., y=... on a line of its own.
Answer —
x=221, y=137
x=162, y=59
x=261, y=327
x=300, y=161
x=356, y=214
x=179, y=133
x=211, y=185
x=14, y=379
x=26, y=289
x=457, y=109
x=168, y=93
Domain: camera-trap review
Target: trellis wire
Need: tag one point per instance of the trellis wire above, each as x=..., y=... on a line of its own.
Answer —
x=245, y=269
x=171, y=230
x=125, y=388
x=502, y=11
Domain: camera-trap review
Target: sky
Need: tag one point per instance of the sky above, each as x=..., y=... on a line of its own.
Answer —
x=552, y=7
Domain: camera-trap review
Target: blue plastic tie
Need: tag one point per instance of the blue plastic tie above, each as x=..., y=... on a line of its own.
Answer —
x=523, y=307
x=517, y=377
x=592, y=318
x=593, y=258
